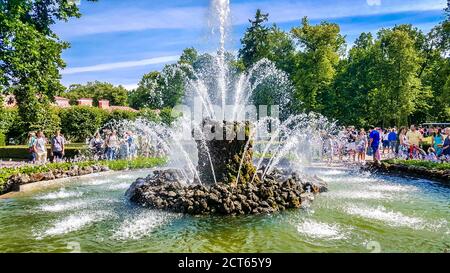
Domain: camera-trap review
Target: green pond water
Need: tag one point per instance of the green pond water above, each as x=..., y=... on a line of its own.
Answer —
x=360, y=213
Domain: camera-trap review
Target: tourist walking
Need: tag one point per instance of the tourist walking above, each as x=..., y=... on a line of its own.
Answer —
x=40, y=147
x=374, y=143
x=58, y=146
x=414, y=138
x=112, y=144
x=437, y=141
x=31, y=142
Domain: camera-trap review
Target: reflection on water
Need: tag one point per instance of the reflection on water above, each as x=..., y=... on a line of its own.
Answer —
x=402, y=215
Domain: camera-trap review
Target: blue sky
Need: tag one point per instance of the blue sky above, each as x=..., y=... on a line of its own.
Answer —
x=120, y=40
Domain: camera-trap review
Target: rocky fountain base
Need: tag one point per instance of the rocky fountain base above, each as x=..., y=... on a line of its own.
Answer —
x=247, y=193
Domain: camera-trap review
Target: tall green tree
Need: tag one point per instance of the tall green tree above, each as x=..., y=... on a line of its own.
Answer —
x=354, y=80
x=399, y=91
x=272, y=43
x=30, y=54
x=254, y=42
x=321, y=47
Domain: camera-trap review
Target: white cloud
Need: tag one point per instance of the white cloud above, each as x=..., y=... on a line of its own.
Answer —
x=119, y=65
x=374, y=2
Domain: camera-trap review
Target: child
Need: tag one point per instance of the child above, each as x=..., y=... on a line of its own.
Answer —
x=431, y=156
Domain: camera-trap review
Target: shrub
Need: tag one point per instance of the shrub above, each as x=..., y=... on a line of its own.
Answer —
x=150, y=115
x=421, y=163
x=81, y=122
x=167, y=117
x=2, y=139
x=119, y=115
x=9, y=119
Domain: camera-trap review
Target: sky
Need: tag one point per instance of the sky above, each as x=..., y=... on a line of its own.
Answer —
x=118, y=41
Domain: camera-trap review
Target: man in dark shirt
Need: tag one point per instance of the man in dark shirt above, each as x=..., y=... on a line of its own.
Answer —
x=392, y=137
x=374, y=143
x=446, y=146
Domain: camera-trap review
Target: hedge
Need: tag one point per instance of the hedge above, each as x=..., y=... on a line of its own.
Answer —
x=117, y=165
x=2, y=139
x=420, y=163
x=21, y=152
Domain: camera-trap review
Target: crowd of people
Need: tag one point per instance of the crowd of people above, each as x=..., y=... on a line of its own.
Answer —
x=37, y=147
x=110, y=147
x=113, y=147
x=403, y=143
x=355, y=145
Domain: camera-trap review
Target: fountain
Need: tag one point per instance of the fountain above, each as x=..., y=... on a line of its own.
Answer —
x=216, y=172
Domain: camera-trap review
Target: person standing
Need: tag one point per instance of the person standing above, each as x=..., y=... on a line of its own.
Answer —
x=96, y=145
x=58, y=146
x=374, y=143
x=31, y=143
x=392, y=138
x=414, y=138
x=362, y=145
x=385, y=137
x=40, y=147
x=403, y=143
x=437, y=141
x=112, y=144
x=131, y=145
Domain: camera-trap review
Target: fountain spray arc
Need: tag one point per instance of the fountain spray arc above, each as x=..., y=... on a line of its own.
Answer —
x=226, y=181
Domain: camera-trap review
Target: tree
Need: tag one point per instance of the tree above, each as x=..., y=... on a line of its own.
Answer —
x=148, y=92
x=81, y=122
x=321, y=47
x=117, y=95
x=254, y=46
x=30, y=54
x=399, y=87
x=189, y=56
x=354, y=80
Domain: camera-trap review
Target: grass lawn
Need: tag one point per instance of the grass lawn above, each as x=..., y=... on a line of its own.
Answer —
x=116, y=165
x=420, y=163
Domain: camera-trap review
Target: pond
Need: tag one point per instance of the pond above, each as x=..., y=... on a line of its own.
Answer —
x=360, y=213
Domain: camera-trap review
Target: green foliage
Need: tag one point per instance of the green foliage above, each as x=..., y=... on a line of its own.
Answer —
x=254, y=46
x=150, y=115
x=81, y=122
x=322, y=46
x=168, y=116
x=30, y=54
x=148, y=92
x=421, y=163
x=119, y=115
x=189, y=56
x=117, y=95
x=2, y=139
